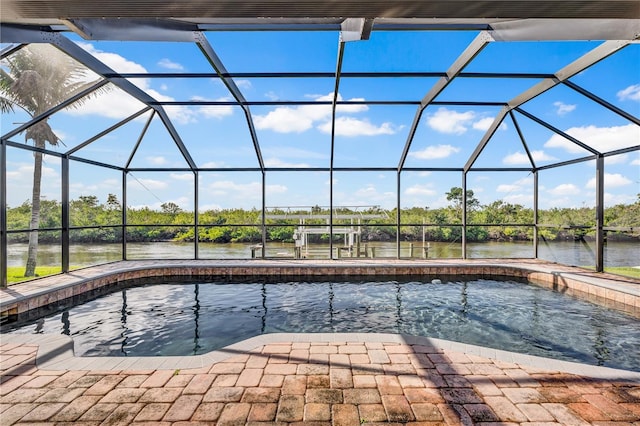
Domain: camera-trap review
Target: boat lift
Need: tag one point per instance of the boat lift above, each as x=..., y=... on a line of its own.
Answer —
x=353, y=215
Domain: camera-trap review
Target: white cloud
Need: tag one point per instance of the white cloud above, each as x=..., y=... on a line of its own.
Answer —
x=188, y=177
x=276, y=162
x=631, y=93
x=243, y=84
x=613, y=199
x=243, y=191
x=170, y=65
x=524, y=199
x=522, y=158
x=352, y=127
x=302, y=118
x=635, y=162
x=484, y=123
x=611, y=180
x=213, y=111
x=564, y=189
x=421, y=190
x=602, y=139
x=505, y=187
x=157, y=161
x=212, y=165
x=451, y=122
x=150, y=183
x=562, y=108
x=435, y=152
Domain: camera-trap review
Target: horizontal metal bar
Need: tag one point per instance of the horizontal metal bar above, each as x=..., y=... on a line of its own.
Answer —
x=621, y=228
x=371, y=74
x=568, y=162
x=33, y=148
x=95, y=163
x=622, y=151
x=493, y=225
x=501, y=169
x=278, y=103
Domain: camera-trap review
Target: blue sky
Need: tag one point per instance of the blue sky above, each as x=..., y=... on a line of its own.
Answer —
x=366, y=136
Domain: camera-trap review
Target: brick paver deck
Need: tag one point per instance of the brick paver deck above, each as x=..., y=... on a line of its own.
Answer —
x=315, y=383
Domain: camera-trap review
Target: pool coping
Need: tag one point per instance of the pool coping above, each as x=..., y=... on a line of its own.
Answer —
x=55, y=352
x=609, y=290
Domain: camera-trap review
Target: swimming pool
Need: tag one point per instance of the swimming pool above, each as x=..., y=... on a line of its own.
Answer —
x=195, y=318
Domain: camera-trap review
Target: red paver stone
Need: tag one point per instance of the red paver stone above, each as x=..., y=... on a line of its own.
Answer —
x=42, y=412
x=427, y=412
x=152, y=412
x=564, y=414
x=325, y=396
x=318, y=381
x=299, y=356
x=362, y=381
x=312, y=369
x=389, y=385
x=372, y=413
x=352, y=349
x=272, y=381
x=290, y=408
x=12, y=383
x=610, y=408
x=234, y=414
x=504, y=409
x=345, y=415
x=588, y=412
x=398, y=349
x=123, y=414
x=257, y=361
x=483, y=386
x=98, y=412
x=226, y=380
x=523, y=395
x=75, y=409
x=208, y=411
x=340, y=378
x=104, y=386
x=361, y=396
x=521, y=377
x=481, y=413
x=179, y=381
x=86, y=381
x=460, y=396
x=122, y=395
x=160, y=395
x=397, y=408
x=294, y=385
x=378, y=356
x=66, y=379
x=199, y=384
x=262, y=412
x=22, y=395
x=183, y=408
x=158, y=379
x=15, y=412
x=536, y=412
x=261, y=395
x=282, y=369
x=277, y=349
x=133, y=381
x=250, y=377
x=317, y=412
x=39, y=381
x=339, y=360
x=414, y=395
x=223, y=394
x=410, y=381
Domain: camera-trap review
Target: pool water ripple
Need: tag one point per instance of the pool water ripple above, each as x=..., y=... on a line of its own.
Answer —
x=195, y=318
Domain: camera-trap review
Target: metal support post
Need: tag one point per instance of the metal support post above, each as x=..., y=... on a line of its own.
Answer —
x=464, y=215
x=535, y=214
x=600, y=213
x=3, y=214
x=124, y=215
x=398, y=217
x=196, y=232
x=65, y=214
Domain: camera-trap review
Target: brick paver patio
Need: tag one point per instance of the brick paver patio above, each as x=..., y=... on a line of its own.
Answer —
x=315, y=383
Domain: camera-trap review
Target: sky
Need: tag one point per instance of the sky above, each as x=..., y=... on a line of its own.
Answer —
x=366, y=136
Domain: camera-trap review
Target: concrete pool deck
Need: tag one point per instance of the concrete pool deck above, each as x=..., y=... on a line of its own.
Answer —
x=314, y=379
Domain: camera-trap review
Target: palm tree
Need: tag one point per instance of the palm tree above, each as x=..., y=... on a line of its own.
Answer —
x=35, y=79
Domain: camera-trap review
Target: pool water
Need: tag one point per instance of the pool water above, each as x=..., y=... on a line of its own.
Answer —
x=195, y=318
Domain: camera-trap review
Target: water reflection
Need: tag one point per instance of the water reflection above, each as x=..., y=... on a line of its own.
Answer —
x=181, y=319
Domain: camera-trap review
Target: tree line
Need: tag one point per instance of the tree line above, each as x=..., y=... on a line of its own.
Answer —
x=505, y=221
